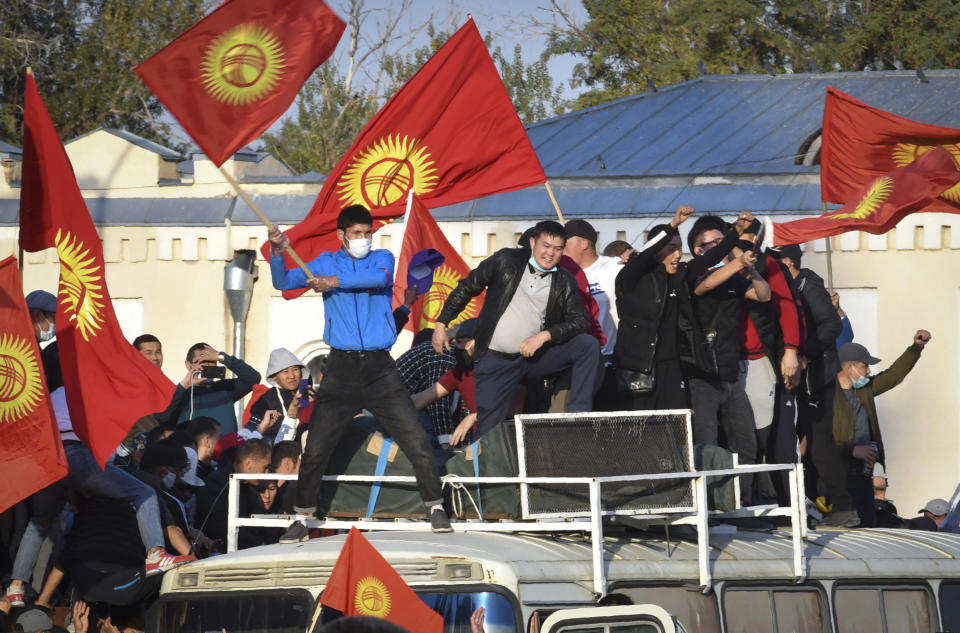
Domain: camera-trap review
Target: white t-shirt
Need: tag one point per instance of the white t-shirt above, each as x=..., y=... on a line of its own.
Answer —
x=602, y=277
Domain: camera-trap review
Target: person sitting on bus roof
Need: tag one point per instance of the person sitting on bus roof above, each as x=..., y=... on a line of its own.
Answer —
x=458, y=379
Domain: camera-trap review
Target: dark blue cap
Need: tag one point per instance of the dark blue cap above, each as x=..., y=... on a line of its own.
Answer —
x=421, y=267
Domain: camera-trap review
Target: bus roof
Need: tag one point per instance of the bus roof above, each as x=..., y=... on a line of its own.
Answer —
x=744, y=555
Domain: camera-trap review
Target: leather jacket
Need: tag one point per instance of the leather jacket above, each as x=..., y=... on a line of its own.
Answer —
x=500, y=276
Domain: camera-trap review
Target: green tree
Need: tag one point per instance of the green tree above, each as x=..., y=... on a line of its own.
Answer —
x=626, y=45
x=81, y=52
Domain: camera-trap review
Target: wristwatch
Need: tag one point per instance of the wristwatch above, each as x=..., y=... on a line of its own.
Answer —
x=221, y=356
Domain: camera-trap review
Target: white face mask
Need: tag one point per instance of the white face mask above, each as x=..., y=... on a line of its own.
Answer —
x=168, y=480
x=359, y=248
x=46, y=335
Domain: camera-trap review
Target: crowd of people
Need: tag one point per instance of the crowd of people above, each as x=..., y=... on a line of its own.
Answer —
x=749, y=340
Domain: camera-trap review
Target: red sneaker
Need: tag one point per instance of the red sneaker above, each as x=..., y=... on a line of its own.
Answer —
x=162, y=560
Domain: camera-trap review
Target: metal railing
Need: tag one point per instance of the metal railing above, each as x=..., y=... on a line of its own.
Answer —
x=591, y=525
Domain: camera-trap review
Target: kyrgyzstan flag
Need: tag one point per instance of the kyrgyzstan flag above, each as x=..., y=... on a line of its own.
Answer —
x=233, y=73
x=450, y=133
x=31, y=454
x=861, y=143
x=109, y=384
x=364, y=583
x=422, y=232
x=879, y=205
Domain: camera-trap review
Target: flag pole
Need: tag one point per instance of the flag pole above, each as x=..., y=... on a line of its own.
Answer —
x=289, y=249
x=553, y=199
x=19, y=247
x=829, y=255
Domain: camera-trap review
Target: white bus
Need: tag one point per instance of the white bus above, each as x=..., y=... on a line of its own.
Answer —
x=856, y=581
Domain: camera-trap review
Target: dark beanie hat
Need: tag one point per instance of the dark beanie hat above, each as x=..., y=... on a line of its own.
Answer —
x=706, y=223
x=166, y=452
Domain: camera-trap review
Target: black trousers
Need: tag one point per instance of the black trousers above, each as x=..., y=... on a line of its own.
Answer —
x=816, y=414
x=353, y=381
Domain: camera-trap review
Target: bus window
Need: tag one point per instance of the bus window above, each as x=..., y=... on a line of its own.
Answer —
x=237, y=612
x=456, y=609
x=950, y=606
x=782, y=610
x=883, y=610
x=695, y=611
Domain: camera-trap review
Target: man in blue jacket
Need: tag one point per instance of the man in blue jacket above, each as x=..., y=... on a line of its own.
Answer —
x=357, y=287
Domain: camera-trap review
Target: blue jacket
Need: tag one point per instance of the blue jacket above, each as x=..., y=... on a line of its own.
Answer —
x=358, y=314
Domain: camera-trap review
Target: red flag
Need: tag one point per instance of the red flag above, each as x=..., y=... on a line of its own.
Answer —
x=861, y=143
x=109, y=384
x=233, y=73
x=878, y=206
x=450, y=133
x=31, y=454
x=364, y=583
x=421, y=231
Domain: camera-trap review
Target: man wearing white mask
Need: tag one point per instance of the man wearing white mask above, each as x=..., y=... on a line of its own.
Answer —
x=357, y=287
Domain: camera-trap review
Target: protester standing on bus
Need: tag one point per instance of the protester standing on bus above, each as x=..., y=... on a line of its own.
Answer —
x=357, y=287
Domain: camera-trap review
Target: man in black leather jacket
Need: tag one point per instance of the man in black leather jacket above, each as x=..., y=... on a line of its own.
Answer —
x=532, y=324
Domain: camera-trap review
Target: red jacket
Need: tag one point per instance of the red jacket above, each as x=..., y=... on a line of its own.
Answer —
x=589, y=303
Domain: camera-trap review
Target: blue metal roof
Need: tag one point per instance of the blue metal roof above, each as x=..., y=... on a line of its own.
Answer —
x=726, y=124
x=9, y=151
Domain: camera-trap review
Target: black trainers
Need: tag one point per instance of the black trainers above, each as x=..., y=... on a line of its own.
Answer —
x=296, y=533
x=439, y=521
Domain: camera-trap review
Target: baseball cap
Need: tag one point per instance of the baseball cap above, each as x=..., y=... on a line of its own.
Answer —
x=936, y=507
x=581, y=228
x=855, y=352
x=42, y=300
x=464, y=329
x=190, y=474
x=421, y=267
x=792, y=251
x=33, y=620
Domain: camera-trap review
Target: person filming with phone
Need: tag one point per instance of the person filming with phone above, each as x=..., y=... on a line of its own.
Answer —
x=205, y=390
x=275, y=413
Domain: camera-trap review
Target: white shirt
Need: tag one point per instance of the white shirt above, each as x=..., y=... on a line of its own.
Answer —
x=602, y=277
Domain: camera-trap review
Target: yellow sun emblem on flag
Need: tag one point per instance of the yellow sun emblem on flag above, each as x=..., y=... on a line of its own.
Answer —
x=445, y=279
x=371, y=597
x=242, y=64
x=876, y=195
x=384, y=172
x=21, y=389
x=81, y=285
x=906, y=153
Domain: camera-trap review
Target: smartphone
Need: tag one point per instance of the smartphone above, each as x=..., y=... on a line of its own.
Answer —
x=304, y=388
x=213, y=372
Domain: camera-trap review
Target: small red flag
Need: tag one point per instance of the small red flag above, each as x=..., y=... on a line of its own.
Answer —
x=450, y=133
x=421, y=231
x=31, y=454
x=878, y=206
x=364, y=583
x=861, y=143
x=233, y=73
x=109, y=384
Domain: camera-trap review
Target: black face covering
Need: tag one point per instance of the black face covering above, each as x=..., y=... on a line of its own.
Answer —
x=464, y=359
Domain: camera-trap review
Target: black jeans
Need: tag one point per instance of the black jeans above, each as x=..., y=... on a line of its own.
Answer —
x=719, y=403
x=353, y=381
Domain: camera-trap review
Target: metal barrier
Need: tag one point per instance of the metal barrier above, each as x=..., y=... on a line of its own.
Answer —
x=591, y=524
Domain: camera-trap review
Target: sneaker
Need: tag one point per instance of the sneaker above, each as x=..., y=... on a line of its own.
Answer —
x=841, y=518
x=15, y=596
x=162, y=560
x=439, y=521
x=296, y=533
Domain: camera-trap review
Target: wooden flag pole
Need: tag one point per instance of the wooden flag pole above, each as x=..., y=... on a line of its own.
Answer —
x=553, y=199
x=289, y=249
x=829, y=256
